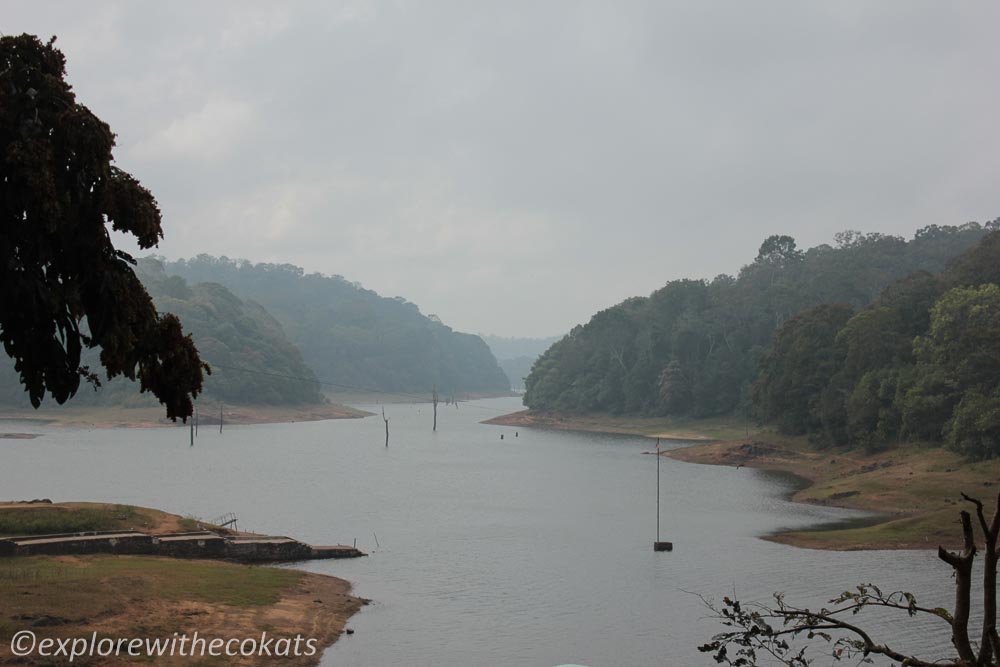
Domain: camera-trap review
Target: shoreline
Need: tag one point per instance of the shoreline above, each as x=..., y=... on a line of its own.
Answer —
x=153, y=417
x=64, y=596
x=340, y=406
x=911, y=491
x=650, y=427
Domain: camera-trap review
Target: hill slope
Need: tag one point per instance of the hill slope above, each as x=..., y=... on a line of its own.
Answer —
x=253, y=361
x=692, y=347
x=353, y=337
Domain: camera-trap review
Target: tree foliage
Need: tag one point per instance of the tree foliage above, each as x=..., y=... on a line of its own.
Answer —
x=63, y=286
x=692, y=348
x=921, y=362
x=797, y=371
x=353, y=337
x=253, y=361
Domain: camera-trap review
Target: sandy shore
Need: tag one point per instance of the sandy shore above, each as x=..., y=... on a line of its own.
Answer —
x=651, y=427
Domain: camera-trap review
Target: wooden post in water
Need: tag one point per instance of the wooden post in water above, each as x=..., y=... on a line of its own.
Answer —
x=220, y=417
x=658, y=545
x=386, y=420
x=435, y=400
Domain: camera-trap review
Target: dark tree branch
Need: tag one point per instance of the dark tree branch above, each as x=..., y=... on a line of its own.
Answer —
x=989, y=646
x=962, y=564
x=772, y=630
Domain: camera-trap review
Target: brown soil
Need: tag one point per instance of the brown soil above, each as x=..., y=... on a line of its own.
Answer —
x=914, y=490
x=600, y=424
x=318, y=608
x=315, y=607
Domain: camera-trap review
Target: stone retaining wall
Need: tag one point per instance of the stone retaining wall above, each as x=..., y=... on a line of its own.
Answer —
x=247, y=549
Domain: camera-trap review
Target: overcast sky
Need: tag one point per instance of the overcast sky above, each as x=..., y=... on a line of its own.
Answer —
x=513, y=167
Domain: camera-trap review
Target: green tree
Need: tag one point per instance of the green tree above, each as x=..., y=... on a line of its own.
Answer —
x=974, y=428
x=964, y=336
x=797, y=370
x=58, y=192
x=778, y=249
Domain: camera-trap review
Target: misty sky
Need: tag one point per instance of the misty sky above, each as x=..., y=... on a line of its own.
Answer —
x=513, y=167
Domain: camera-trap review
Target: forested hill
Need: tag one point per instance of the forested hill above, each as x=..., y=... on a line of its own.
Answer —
x=920, y=363
x=693, y=347
x=351, y=336
x=253, y=361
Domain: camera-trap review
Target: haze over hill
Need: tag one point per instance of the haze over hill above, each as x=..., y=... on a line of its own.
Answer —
x=517, y=355
x=253, y=361
x=272, y=333
x=353, y=338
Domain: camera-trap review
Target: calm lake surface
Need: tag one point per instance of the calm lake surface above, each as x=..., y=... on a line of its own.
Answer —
x=533, y=550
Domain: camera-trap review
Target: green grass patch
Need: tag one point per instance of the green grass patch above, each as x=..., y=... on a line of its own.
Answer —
x=42, y=519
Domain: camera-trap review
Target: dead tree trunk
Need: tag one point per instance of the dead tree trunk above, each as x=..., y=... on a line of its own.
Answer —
x=435, y=400
x=962, y=564
x=989, y=648
x=386, y=420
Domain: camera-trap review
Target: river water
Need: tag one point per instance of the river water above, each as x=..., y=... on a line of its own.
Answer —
x=533, y=550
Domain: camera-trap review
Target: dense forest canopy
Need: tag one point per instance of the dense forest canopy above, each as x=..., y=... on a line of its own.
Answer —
x=921, y=362
x=352, y=337
x=252, y=360
x=693, y=348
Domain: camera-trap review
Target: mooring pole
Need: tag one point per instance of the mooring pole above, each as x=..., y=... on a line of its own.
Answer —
x=658, y=545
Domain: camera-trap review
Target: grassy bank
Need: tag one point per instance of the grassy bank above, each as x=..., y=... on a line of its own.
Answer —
x=40, y=518
x=106, y=417
x=915, y=490
x=149, y=597
x=146, y=597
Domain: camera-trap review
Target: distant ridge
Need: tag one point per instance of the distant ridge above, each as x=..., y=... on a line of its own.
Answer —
x=230, y=333
x=351, y=335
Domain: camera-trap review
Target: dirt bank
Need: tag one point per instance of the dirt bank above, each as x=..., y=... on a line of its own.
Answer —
x=667, y=429
x=914, y=490
x=145, y=597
